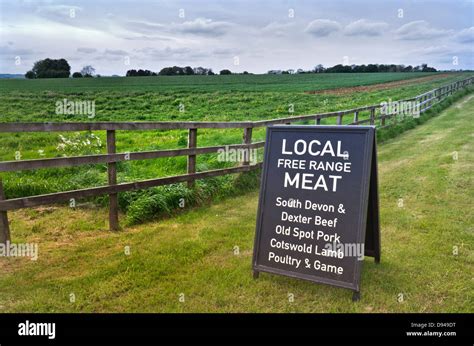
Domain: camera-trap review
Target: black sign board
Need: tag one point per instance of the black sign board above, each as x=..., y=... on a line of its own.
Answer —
x=318, y=210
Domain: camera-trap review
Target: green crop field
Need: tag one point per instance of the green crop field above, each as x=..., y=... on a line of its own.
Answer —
x=287, y=83
x=181, y=98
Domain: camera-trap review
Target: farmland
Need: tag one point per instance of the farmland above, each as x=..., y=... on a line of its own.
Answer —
x=283, y=83
x=193, y=255
x=197, y=98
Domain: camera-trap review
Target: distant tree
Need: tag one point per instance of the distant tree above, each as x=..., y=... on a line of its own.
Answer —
x=51, y=68
x=203, y=71
x=317, y=69
x=362, y=68
x=359, y=69
x=426, y=68
x=140, y=73
x=339, y=69
x=225, y=72
x=88, y=71
x=77, y=75
x=30, y=75
x=178, y=71
x=245, y=72
x=188, y=70
x=200, y=70
x=166, y=71
x=372, y=68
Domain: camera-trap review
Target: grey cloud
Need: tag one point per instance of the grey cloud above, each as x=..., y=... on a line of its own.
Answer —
x=143, y=27
x=278, y=29
x=466, y=35
x=363, y=27
x=225, y=51
x=86, y=50
x=199, y=26
x=419, y=30
x=8, y=50
x=322, y=27
x=203, y=26
x=432, y=50
x=115, y=52
x=178, y=54
x=112, y=55
x=58, y=11
x=147, y=38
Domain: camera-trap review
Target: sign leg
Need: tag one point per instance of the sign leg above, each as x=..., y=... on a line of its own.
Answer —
x=4, y=226
x=356, y=296
x=256, y=274
x=377, y=257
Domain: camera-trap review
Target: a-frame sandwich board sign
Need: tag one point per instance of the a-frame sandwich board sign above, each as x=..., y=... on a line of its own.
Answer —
x=318, y=210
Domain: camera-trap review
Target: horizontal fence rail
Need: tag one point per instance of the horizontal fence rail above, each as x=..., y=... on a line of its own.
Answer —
x=374, y=115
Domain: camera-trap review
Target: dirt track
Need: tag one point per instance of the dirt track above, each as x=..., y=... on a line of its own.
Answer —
x=381, y=86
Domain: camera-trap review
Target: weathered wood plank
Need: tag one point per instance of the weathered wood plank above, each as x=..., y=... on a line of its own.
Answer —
x=33, y=201
x=247, y=140
x=311, y=116
x=4, y=225
x=9, y=166
x=192, y=143
x=372, y=116
x=112, y=179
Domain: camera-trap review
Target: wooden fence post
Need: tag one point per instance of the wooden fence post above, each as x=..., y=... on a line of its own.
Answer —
x=356, y=116
x=112, y=175
x=4, y=226
x=372, y=116
x=192, y=143
x=339, y=119
x=247, y=139
x=318, y=120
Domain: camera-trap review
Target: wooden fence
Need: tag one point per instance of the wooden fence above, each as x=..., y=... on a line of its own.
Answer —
x=363, y=115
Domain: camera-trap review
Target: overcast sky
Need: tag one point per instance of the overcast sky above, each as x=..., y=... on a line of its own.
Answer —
x=256, y=36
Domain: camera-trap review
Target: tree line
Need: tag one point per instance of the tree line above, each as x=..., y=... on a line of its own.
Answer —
x=177, y=71
x=359, y=69
x=60, y=68
x=57, y=68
